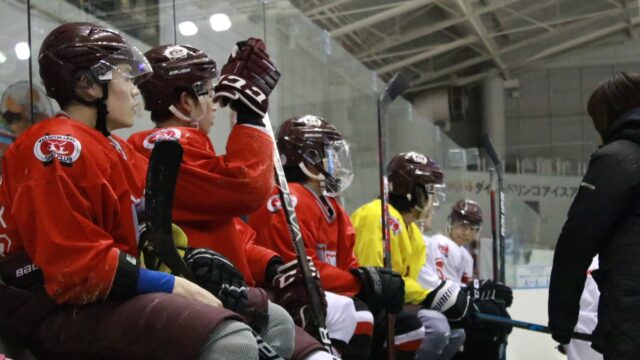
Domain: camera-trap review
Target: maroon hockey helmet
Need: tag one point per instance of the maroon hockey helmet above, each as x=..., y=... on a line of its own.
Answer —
x=311, y=142
x=466, y=211
x=74, y=47
x=406, y=170
x=176, y=68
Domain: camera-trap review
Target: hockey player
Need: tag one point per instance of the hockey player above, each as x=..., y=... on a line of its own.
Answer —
x=413, y=180
x=604, y=219
x=213, y=191
x=317, y=165
x=68, y=199
x=485, y=340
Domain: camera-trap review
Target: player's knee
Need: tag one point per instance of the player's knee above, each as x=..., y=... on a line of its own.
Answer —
x=341, y=317
x=230, y=340
x=409, y=332
x=280, y=331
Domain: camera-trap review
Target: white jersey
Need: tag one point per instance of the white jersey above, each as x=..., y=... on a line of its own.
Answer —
x=431, y=274
x=467, y=265
x=587, y=320
x=458, y=263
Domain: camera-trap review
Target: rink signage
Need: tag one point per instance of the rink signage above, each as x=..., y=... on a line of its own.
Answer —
x=517, y=189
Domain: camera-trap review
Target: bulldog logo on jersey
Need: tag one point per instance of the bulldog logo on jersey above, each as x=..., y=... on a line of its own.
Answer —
x=64, y=148
x=171, y=134
x=274, y=204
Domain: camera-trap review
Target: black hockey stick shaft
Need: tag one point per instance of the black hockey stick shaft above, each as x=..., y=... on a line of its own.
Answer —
x=397, y=85
x=493, y=155
x=298, y=242
x=162, y=177
x=494, y=231
x=527, y=326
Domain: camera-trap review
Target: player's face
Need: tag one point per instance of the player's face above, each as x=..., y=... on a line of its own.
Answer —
x=209, y=108
x=122, y=102
x=464, y=234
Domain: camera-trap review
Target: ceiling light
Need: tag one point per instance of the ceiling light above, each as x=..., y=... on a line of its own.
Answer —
x=22, y=50
x=188, y=28
x=220, y=22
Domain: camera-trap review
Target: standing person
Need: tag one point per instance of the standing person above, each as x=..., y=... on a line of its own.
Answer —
x=587, y=320
x=317, y=164
x=213, y=191
x=604, y=219
x=72, y=284
x=413, y=178
x=484, y=340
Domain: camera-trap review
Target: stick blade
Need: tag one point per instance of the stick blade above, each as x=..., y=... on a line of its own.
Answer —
x=396, y=86
x=162, y=175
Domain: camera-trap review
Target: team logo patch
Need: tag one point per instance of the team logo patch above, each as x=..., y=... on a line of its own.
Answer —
x=175, y=52
x=64, y=148
x=171, y=134
x=274, y=204
x=417, y=158
x=444, y=250
x=311, y=120
x=394, y=225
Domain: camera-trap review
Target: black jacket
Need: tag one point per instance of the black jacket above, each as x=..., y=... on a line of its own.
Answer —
x=604, y=219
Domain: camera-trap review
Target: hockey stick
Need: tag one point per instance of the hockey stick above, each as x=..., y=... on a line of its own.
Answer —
x=395, y=87
x=500, y=218
x=298, y=242
x=162, y=176
x=528, y=326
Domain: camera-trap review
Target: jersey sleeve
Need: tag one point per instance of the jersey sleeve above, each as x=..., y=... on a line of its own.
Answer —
x=467, y=267
x=273, y=232
x=346, y=258
x=369, y=250
x=77, y=256
x=258, y=257
x=211, y=186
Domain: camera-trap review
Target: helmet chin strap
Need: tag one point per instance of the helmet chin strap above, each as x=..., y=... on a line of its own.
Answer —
x=318, y=176
x=101, y=106
x=195, y=122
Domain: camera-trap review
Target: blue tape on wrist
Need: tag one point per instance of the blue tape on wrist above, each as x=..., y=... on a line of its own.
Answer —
x=150, y=281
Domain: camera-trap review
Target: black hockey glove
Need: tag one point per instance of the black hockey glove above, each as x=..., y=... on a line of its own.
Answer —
x=490, y=290
x=217, y=275
x=451, y=300
x=381, y=289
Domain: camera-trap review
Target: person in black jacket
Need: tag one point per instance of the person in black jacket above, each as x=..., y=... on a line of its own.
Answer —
x=604, y=219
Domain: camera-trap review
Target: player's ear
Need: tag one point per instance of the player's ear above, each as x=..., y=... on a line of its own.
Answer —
x=186, y=102
x=85, y=86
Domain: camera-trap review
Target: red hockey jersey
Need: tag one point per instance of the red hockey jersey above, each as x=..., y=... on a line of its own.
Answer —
x=68, y=198
x=212, y=191
x=327, y=231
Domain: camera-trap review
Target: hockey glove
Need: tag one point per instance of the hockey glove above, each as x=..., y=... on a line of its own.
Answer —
x=491, y=290
x=248, y=76
x=381, y=289
x=217, y=275
x=451, y=300
x=291, y=293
